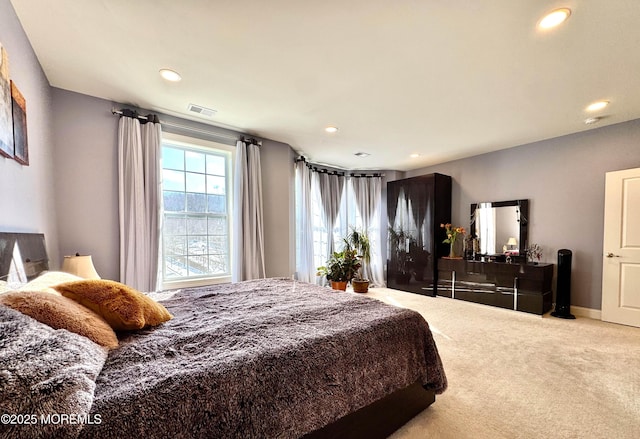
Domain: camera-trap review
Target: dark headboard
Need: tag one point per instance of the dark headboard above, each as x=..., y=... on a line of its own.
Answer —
x=23, y=255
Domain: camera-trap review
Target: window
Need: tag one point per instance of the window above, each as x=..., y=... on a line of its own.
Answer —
x=196, y=193
x=348, y=217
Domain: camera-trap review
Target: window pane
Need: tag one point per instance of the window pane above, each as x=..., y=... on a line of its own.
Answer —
x=172, y=158
x=172, y=180
x=197, y=265
x=175, y=266
x=215, y=185
x=195, y=182
x=174, y=225
x=216, y=204
x=175, y=245
x=217, y=226
x=216, y=165
x=173, y=201
x=196, y=203
x=198, y=245
x=195, y=161
x=196, y=226
x=218, y=244
x=219, y=264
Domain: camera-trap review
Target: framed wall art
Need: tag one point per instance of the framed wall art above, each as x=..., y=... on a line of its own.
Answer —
x=6, y=120
x=19, y=112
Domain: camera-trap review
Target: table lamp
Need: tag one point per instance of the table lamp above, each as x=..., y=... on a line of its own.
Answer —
x=80, y=265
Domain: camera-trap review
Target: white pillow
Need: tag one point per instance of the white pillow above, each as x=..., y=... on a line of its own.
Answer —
x=4, y=287
x=47, y=280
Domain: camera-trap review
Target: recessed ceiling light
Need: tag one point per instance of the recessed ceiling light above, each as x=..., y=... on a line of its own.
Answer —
x=599, y=105
x=554, y=18
x=170, y=75
x=362, y=154
x=592, y=120
x=331, y=129
x=414, y=155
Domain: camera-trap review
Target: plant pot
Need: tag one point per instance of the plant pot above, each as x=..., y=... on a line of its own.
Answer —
x=360, y=286
x=339, y=285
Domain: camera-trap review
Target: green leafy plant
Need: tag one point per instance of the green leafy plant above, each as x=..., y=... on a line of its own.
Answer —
x=359, y=241
x=341, y=266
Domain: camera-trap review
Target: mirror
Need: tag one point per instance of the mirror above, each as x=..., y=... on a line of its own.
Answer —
x=500, y=226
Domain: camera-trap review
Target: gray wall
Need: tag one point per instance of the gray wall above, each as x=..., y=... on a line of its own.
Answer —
x=85, y=135
x=278, y=180
x=86, y=163
x=27, y=201
x=563, y=178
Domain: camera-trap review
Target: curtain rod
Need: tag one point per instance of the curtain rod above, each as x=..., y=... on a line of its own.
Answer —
x=184, y=127
x=316, y=167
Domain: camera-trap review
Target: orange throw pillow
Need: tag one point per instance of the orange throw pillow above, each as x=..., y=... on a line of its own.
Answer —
x=61, y=313
x=123, y=307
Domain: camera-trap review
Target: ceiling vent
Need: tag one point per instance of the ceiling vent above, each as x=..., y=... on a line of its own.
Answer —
x=202, y=111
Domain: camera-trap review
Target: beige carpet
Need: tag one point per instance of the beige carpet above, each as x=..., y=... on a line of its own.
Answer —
x=518, y=375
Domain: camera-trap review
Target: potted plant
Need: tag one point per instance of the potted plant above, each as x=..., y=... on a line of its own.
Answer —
x=359, y=241
x=341, y=268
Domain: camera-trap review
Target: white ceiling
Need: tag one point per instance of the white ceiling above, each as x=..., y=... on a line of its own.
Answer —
x=444, y=79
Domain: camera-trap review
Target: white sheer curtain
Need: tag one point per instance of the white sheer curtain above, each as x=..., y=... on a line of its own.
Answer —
x=331, y=187
x=486, y=226
x=139, y=200
x=248, y=225
x=368, y=196
x=326, y=208
x=304, y=229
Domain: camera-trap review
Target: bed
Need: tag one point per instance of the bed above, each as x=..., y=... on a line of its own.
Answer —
x=270, y=358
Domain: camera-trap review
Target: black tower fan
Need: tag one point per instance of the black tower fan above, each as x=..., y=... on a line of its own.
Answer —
x=563, y=286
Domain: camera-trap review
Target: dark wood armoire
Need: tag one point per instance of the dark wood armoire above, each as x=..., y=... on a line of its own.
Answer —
x=415, y=208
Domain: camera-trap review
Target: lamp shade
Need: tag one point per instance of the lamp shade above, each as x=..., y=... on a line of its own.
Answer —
x=512, y=241
x=81, y=266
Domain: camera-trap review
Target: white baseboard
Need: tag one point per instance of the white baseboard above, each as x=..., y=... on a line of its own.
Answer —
x=586, y=312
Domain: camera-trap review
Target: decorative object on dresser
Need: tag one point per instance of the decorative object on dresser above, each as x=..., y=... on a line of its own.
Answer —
x=416, y=207
x=452, y=238
x=517, y=286
x=534, y=253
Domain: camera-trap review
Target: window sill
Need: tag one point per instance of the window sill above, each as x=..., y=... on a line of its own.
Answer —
x=172, y=285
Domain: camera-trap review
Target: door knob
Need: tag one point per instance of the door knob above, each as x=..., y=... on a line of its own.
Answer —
x=611, y=255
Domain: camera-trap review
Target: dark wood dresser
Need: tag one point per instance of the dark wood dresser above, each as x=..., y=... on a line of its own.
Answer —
x=518, y=286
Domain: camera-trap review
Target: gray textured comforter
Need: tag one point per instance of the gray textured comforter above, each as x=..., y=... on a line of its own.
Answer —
x=260, y=359
x=47, y=378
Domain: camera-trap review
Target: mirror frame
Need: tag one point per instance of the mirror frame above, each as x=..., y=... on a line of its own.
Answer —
x=524, y=220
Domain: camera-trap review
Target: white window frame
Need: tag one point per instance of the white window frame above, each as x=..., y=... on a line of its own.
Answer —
x=204, y=146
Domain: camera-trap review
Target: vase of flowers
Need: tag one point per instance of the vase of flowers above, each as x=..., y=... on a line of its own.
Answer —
x=452, y=235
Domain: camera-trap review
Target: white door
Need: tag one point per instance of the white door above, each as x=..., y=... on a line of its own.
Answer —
x=621, y=250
